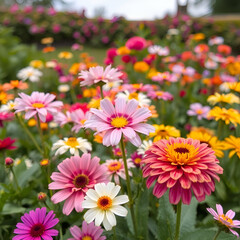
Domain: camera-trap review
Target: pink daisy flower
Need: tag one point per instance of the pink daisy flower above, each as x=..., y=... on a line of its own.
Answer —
x=125, y=119
x=166, y=96
x=88, y=232
x=98, y=74
x=38, y=103
x=5, y=116
x=115, y=169
x=182, y=166
x=76, y=176
x=196, y=109
x=36, y=225
x=225, y=219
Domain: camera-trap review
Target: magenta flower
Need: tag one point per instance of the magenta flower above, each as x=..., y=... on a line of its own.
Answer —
x=196, y=109
x=125, y=119
x=136, y=43
x=36, y=225
x=89, y=231
x=76, y=176
x=5, y=116
x=38, y=103
x=225, y=219
x=98, y=74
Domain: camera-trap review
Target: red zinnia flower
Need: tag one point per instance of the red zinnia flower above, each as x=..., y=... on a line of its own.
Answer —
x=7, y=143
x=183, y=166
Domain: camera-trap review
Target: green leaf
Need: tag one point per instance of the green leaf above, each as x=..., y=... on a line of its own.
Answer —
x=28, y=174
x=188, y=217
x=12, y=209
x=166, y=219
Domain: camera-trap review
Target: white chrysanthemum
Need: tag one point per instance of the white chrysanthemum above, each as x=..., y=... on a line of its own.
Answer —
x=110, y=85
x=63, y=88
x=156, y=49
x=8, y=107
x=103, y=204
x=29, y=73
x=73, y=145
x=144, y=146
x=142, y=99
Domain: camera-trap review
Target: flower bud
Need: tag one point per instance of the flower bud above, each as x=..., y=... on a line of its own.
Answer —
x=8, y=162
x=42, y=196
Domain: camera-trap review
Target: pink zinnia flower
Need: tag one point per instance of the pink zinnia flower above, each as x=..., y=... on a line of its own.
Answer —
x=5, y=116
x=181, y=165
x=98, y=74
x=89, y=231
x=36, y=225
x=125, y=119
x=38, y=103
x=166, y=96
x=7, y=144
x=196, y=109
x=115, y=169
x=136, y=43
x=77, y=175
x=225, y=219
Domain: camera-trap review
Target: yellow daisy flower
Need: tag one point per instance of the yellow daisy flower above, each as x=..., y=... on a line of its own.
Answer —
x=164, y=132
x=66, y=55
x=225, y=98
x=233, y=143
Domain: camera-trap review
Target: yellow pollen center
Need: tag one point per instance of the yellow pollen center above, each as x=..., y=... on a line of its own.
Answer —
x=104, y=202
x=133, y=96
x=182, y=154
x=83, y=121
x=199, y=111
x=225, y=218
x=113, y=167
x=29, y=74
x=38, y=105
x=137, y=160
x=87, y=238
x=72, y=142
x=119, y=122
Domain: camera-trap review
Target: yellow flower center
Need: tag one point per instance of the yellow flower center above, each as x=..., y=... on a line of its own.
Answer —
x=199, y=111
x=72, y=142
x=113, y=167
x=38, y=105
x=137, y=160
x=87, y=238
x=225, y=218
x=80, y=181
x=119, y=122
x=104, y=202
x=182, y=154
x=29, y=74
x=133, y=95
x=159, y=93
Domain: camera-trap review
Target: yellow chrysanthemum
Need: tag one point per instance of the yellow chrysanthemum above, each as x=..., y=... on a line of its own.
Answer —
x=235, y=86
x=203, y=130
x=164, y=132
x=36, y=64
x=66, y=55
x=223, y=98
x=212, y=141
x=141, y=67
x=94, y=103
x=74, y=69
x=198, y=36
x=152, y=72
x=123, y=51
x=47, y=40
x=234, y=68
x=90, y=92
x=227, y=115
x=233, y=143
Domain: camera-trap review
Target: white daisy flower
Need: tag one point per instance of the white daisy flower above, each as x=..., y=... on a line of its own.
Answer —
x=103, y=204
x=142, y=99
x=29, y=73
x=144, y=146
x=63, y=88
x=8, y=107
x=73, y=145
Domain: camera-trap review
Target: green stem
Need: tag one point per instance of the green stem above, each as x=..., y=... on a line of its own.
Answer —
x=15, y=179
x=60, y=232
x=41, y=136
x=217, y=234
x=29, y=133
x=114, y=233
x=48, y=177
x=128, y=186
x=178, y=220
x=220, y=129
x=101, y=90
x=73, y=94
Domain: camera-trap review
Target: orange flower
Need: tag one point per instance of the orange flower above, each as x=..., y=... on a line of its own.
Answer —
x=141, y=66
x=75, y=68
x=48, y=49
x=188, y=55
x=47, y=40
x=224, y=49
x=15, y=84
x=4, y=97
x=66, y=55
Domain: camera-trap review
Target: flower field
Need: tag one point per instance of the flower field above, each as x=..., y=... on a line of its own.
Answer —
x=142, y=144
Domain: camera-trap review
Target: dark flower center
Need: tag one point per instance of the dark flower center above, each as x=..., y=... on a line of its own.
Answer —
x=80, y=181
x=206, y=143
x=37, y=230
x=181, y=150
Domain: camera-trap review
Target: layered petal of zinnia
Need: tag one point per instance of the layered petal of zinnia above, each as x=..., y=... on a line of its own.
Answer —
x=183, y=166
x=76, y=175
x=125, y=119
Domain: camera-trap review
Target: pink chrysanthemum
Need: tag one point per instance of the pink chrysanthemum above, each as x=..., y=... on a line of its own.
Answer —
x=76, y=176
x=5, y=116
x=225, y=219
x=98, y=74
x=196, y=109
x=124, y=119
x=181, y=165
x=166, y=96
x=38, y=103
x=36, y=225
x=115, y=169
x=88, y=232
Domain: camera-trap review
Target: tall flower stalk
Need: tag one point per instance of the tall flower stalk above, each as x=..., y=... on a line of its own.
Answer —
x=178, y=220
